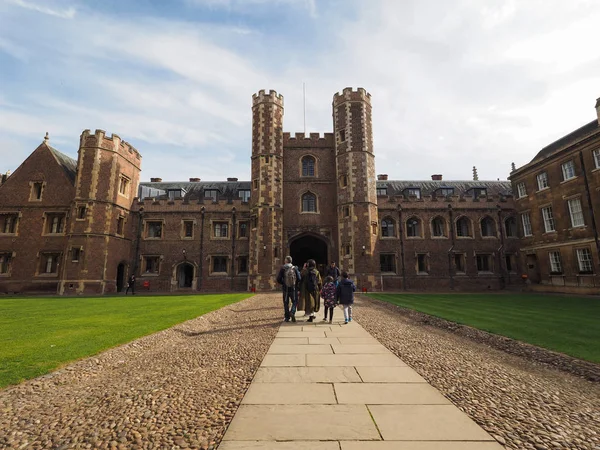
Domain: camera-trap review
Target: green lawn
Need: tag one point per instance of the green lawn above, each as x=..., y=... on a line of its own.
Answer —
x=568, y=325
x=38, y=335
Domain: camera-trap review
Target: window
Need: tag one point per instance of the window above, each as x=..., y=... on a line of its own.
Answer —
x=484, y=263
x=596, y=155
x=124, y=186
x=521, y=190
x=267, y=159
x=576, y=212
x=37, y=188
x=344, y=180
x=568, y=170
x=346, y=211
x=459, y=262
x=526, y=224
x=555, y=263
x=8, y=223
x=255, y=184
x=511, y=265
x=121, y=225
x=254, y=221
x=479, y=192
x=55, y=223
x=387, y=263
x=445, y=192
x=548, y=219
x=387, y=228
x=413, y=191
x=81, y=212
x=488, y=227
x=463, y=227
x=188, y=228
x=244, y=194
x=309, y=202
x=243, y=233
x=75, y=254
x=151, y=264
x=5, y=262
x=308, y=166
x=243, y=264
x=348, y=249
x=422, y=263
x=49, y=263
x=154, y=230
x=211, y=193
x=413, y=227
x=510, y=227
x=381, y=191
x=374, y=227
x=175, y=193
x=584, y=260
x=438, y=227
x=219, y=264
x=342, y=135
x=542, y=181
x=220, y=229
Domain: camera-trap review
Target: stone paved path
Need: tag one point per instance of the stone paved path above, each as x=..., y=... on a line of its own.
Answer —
x=332, y=387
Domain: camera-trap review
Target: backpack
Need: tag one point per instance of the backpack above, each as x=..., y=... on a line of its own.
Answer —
x=311, y=285
x=289, y=277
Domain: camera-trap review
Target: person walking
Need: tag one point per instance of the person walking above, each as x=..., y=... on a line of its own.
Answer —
x=288, y=277
x=302, y=290
x=328, y=293
x=345, y=296
x=312, y=290
x=333, y=272
x=131, y=285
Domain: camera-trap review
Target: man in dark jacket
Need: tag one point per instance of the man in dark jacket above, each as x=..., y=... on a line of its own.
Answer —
x=345, y=296
x=333, y=272
x=288, y=277
x=131, y=285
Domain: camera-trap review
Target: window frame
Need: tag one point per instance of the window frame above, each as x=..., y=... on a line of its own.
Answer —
x=243, y=235
x=515, y=233
x=446, y=191
x=78, y=213
x=184, y=228
x=124, y=186
x=526, y=224
x=463, y=258
x=214, y=197
x=413, y=191
x=239, y=264
x=381, y=192
x=76, y=253
x=10, y=224
x=245, y=198
x=572, y=212
x=6, y=259
x=219, y=224
x=391, y=263
x=493, y=229
x=213, y=260
x=581, y=261
x=489, y=263
x=521, y=190
x=120, y=226
x=49, y=223
x=147, y=225
x=305, y=166
x=444, y=233
x=548, y=218
x=33, y=196
x=469, y=222
x=45, y=261
x=386, y=223
x=315, y=203
x=566, y=167
x=425, y=257
x=419, y=223
x=596, y=158
x=512, y=259
x=542, y=176
x=157, y=259
x=555, y=259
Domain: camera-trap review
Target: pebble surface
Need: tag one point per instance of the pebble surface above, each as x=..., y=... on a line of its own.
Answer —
x=178, y=388
x=520, y=402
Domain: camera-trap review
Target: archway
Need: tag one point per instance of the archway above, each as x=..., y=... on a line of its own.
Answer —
x=185, y=275
x=309, y=247
x=120, y=277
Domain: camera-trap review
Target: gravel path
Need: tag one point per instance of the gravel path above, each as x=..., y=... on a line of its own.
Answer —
x=178, y=388
x=523, y=404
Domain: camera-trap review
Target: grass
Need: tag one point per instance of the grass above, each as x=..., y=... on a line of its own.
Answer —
x=38, y=335
x=567, y=325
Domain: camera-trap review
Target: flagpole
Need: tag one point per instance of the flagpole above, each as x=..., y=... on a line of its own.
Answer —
x=304, y=103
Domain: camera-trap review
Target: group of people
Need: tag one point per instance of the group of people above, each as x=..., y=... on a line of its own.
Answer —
x=303, y=290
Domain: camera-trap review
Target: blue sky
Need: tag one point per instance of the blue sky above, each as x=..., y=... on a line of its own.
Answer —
x=455, y=83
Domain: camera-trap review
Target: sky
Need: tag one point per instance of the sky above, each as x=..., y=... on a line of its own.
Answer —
x=454, y=83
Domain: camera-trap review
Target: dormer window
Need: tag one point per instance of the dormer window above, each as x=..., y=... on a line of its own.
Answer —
x=211, y=193
x=413, y=191
x=479, y=192
x=244, y=194
x=381, y=191
x=175, y=193
x=445, y=192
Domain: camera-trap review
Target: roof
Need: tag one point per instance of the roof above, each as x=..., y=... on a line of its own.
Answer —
x=428, y=187
x=569, y=139
x=68, y=164
x=227, y=189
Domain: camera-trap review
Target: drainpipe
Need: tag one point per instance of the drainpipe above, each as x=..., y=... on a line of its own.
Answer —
x=233, y=228
x=202, y=211
x=401, y=232
x=590, y=204
x=451, y=251
x=501, y=249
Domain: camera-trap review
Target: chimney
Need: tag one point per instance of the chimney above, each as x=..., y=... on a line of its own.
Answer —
x=598, y=109
x=475, y=176
x=194, y=180
x=155, y=180
x=437, y=177
x=382, y=177
x=232, y=179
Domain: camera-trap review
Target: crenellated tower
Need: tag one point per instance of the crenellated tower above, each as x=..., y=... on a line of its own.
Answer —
x=100, y=228
x=266, y=198
x=356, y=184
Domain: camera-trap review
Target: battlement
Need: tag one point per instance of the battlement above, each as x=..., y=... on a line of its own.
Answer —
x=488, y=201
x=187, y=205
x=113, y=143
x=271, y=97
x=312, y=140
x=350, y=95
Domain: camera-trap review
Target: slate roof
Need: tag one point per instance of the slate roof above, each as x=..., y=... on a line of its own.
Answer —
x=227, y=189
x=570, y=138
x=68, y=164
x=428, y=187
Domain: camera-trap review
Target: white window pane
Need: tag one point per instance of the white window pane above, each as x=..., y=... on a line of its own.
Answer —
x=576, y=212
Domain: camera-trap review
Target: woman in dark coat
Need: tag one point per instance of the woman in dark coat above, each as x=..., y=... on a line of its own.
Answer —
x=312, y=294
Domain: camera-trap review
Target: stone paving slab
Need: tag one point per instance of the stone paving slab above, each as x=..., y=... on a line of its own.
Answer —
x=317, y=327
x=299, y=349
x=284, y=360
x=389, y=375
x=306, y=375
x=388, y=394
x=266, y=445
x=285, y=393
x=292, y=341
x=300, y=334
x=360, y=348
x=301, y=422
x=357, y=340
x=416, y=445
x=329, y=340
x=388, y=360
x=426, y=423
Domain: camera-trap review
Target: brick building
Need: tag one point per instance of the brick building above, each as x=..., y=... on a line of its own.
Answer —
x=84, y=226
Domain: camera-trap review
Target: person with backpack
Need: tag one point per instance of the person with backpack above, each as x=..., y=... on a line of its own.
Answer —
x=288, y=277
x=328, y=293
x=345, y=296
x=312, y=284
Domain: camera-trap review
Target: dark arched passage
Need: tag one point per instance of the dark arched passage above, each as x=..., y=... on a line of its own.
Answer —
x=120, y=277
x=185, y=275
x=309, y=247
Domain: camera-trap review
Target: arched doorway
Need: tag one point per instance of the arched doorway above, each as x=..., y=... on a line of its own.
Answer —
x=309, y=247
x=120, y=277
x=185, y=275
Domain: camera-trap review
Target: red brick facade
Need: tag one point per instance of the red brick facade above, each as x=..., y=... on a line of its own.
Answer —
x=314, y=196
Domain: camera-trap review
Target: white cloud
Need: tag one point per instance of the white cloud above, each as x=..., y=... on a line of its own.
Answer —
x=68, y=13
